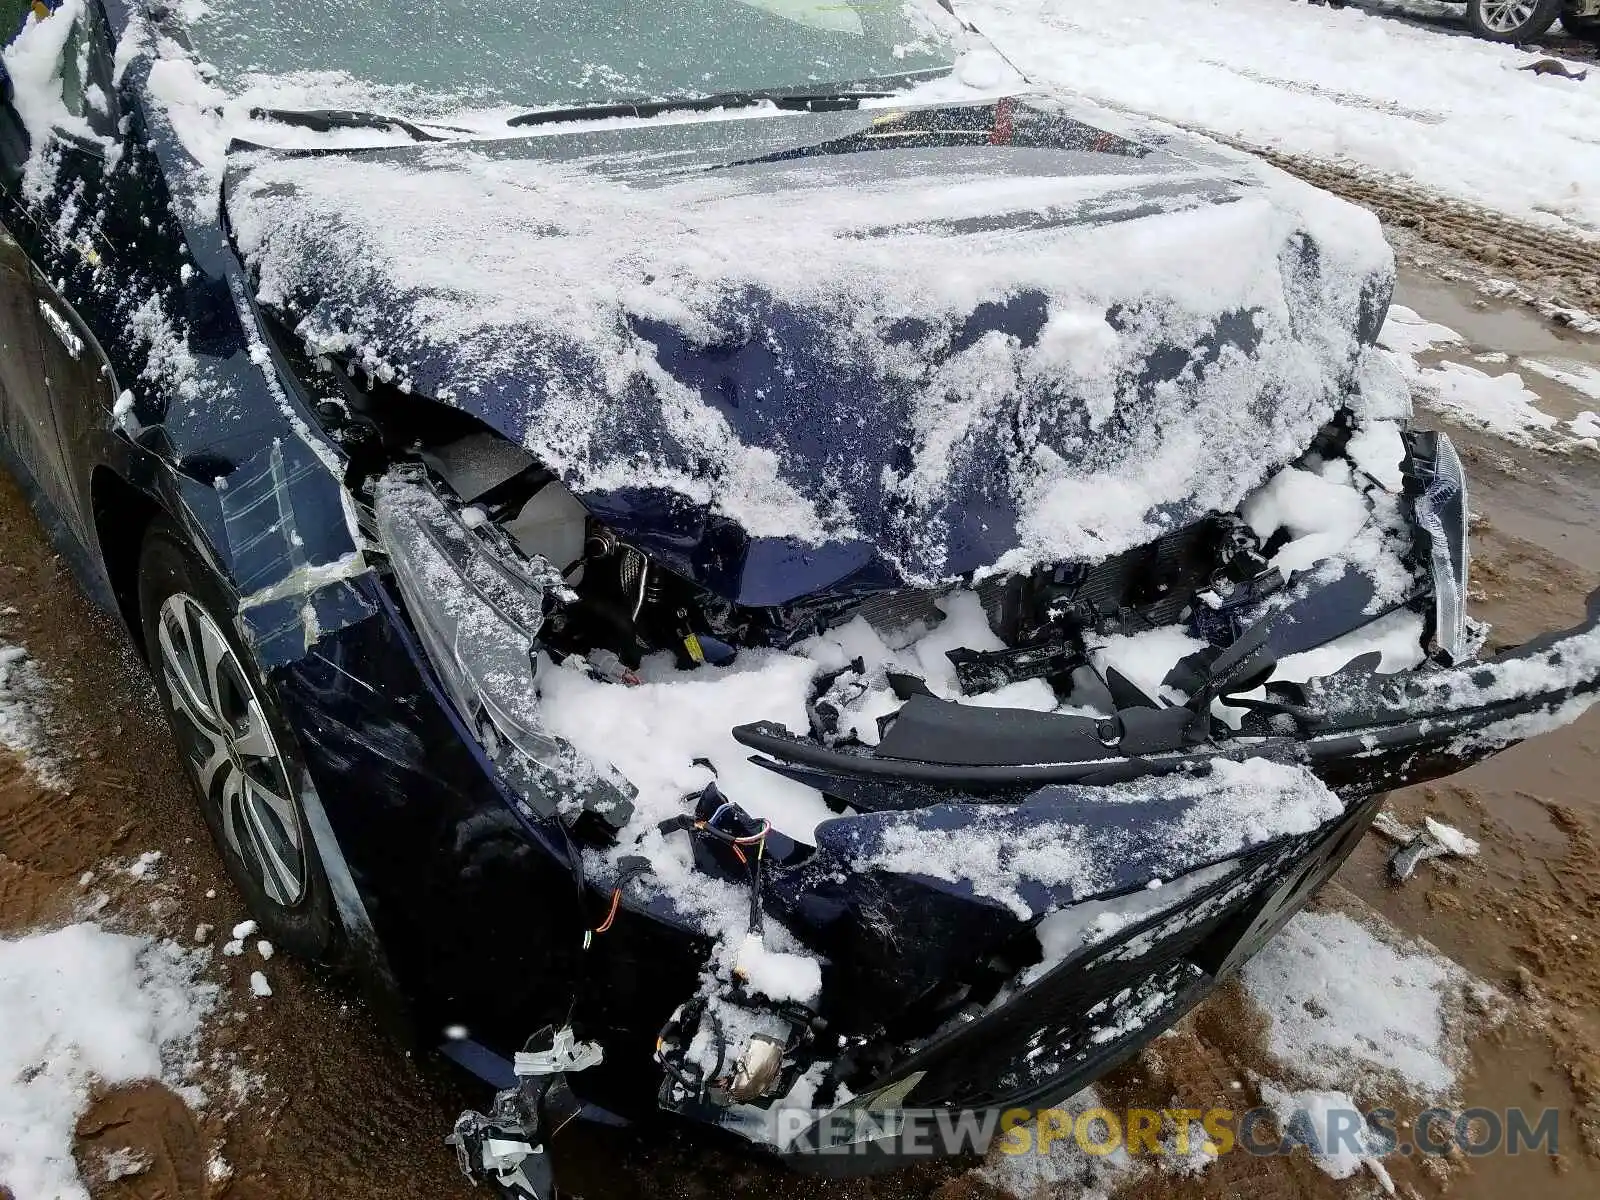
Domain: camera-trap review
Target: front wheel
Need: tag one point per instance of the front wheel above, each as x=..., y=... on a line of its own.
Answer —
x=235, y=745
x=1512, y=20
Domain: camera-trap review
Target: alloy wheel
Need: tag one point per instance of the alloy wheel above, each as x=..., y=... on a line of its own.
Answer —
x=1507, y=16
x=231, y=750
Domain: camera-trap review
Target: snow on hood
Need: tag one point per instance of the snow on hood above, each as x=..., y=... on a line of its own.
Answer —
x=934, y=341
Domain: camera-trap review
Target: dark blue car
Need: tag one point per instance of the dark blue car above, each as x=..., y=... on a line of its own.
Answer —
x=728, y=556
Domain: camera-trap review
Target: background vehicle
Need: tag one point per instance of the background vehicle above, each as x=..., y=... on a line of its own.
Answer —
x=1526, y=20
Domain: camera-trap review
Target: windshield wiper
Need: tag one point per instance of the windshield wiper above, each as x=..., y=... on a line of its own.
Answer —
x=829, y=101
x=326, y=120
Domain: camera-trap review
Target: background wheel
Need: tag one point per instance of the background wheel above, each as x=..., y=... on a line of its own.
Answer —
x=235, y=746
x=1587, y=28
x=1512, y=20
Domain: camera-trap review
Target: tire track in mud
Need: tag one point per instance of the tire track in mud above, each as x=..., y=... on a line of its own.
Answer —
x=41, y=827
x=1557, y=272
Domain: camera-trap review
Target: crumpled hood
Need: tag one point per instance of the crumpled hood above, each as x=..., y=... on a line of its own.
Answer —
x=847, y=349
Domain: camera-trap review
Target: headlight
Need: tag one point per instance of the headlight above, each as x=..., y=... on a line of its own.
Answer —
x=1442, y=514
x=478, y=613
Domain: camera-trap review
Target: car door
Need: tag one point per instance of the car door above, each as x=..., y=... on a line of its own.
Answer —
x=26, y=414
x=73, y=381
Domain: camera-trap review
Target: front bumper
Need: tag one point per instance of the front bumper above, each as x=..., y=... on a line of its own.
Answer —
x=1087, y=1014
x=1360, y=736
x=1358, y=731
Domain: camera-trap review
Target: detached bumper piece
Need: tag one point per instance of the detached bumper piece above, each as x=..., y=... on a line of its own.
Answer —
x=1358, y=730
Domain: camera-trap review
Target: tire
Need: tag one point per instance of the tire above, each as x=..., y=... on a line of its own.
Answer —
x=1512, y=20
x=1587, y=28
x=237, y=750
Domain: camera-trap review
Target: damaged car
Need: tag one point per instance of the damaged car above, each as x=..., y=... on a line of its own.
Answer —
x=732, y=559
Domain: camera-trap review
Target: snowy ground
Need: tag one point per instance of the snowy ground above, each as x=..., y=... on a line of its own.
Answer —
x=1484, y=389
x=1454, y=115
x=1356, y=1015
x=109, y=995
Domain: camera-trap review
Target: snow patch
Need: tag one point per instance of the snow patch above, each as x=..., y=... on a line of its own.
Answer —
x=82, y=1004
x=1409, y=333
x=24, y=711
x=1356, y=1007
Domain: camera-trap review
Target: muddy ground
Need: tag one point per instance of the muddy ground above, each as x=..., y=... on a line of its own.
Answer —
x=309, y=1100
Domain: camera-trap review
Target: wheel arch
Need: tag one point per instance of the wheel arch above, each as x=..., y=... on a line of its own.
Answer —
x=122, y=514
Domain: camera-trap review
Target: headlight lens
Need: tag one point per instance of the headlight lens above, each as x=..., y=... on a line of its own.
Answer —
x=1442, y=514
x=478, y=614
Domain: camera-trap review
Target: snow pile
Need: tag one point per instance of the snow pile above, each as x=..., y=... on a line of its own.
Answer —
x=1358, y=1009
x=24, y=705
x=1454, y=115
x=654, y=733
x=1063, y=1167
x=81, y=1004
x=1145, y=658
x=1580, y=377
x=1501, y=404
x=544, y=295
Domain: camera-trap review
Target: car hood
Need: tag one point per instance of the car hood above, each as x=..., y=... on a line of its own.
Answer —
x=836, y=351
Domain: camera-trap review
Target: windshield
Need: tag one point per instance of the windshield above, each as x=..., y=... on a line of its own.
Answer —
x=543, y=52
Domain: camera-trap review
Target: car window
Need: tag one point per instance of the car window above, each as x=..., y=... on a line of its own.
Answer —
x=538, y=52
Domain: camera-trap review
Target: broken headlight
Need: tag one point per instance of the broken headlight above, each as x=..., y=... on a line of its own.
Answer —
x=1441, y=512
x=478, y=611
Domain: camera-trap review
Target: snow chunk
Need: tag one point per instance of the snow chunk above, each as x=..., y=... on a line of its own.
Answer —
x=244, y=929
x=1328, y=1125
x=1379, y=449
x=24, y=706
x=123, y=1163
x=81, y=1004
x=33, y=60
x=1324, y=516
x=780, y=977
x=1451, y=838
x=1146, y=657
x=259, y=984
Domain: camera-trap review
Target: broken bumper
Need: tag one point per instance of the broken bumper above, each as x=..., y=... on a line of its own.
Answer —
x=1086, y=1014
x=1188, y=867
x=1358, y=731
